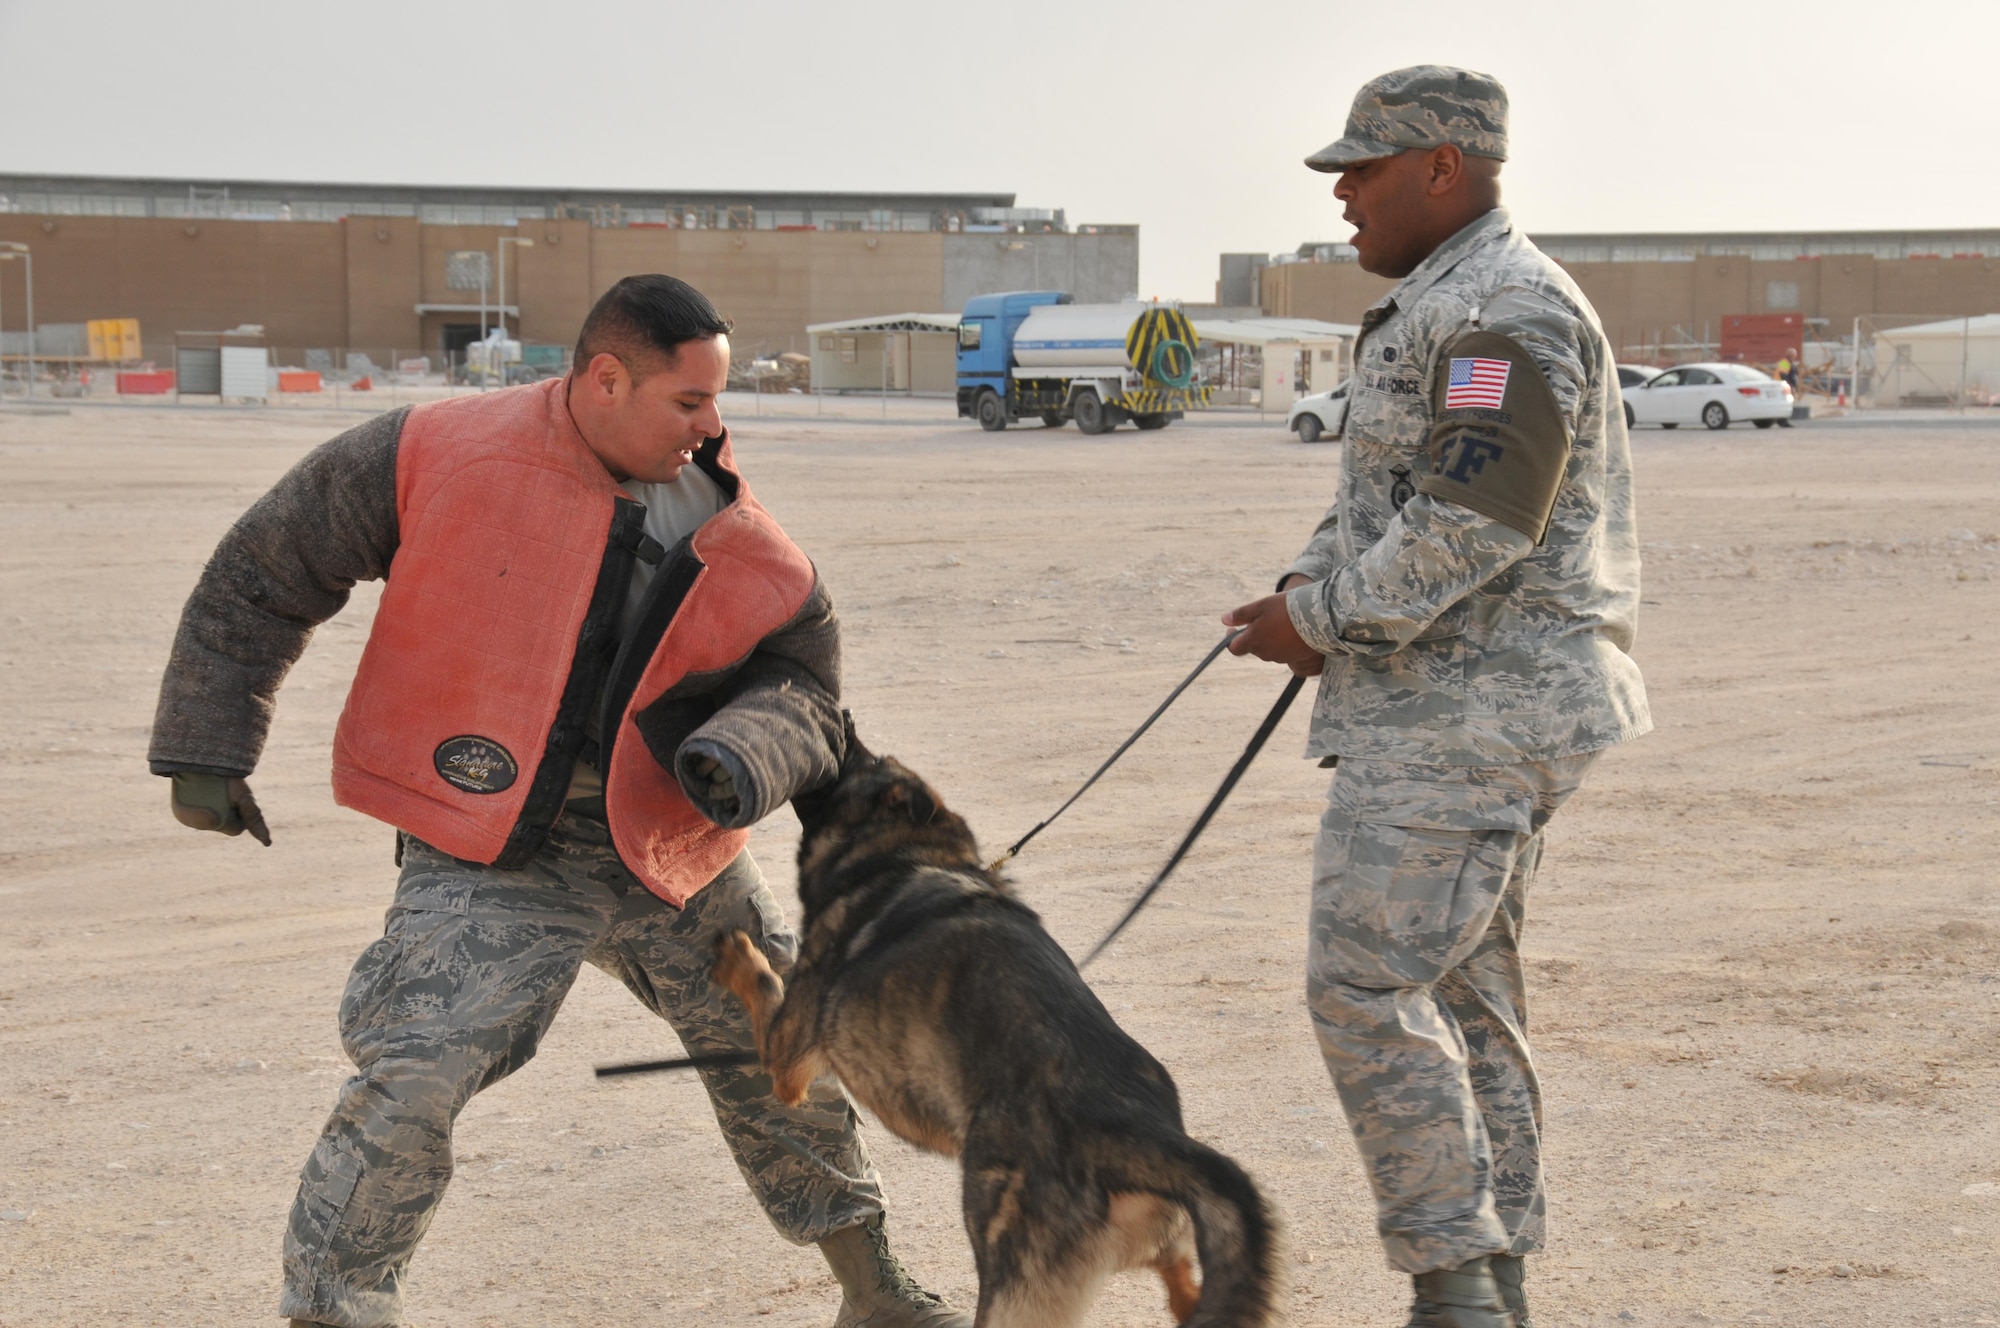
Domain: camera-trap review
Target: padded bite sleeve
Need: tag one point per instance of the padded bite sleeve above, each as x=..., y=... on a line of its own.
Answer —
x=1506, y=460
x=285, y=567
x=774, y=723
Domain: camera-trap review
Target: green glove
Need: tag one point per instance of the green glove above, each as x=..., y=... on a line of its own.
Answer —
x=721, y=790
x=216, y=802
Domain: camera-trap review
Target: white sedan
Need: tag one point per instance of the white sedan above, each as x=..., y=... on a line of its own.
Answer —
x=1715, y=395
x=1319, y=416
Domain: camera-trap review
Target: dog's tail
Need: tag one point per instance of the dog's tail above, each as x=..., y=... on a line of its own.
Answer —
x=1236, y=1237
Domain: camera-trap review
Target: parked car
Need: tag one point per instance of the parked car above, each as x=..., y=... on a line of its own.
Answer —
x=1315, y=415
x=1715, y=395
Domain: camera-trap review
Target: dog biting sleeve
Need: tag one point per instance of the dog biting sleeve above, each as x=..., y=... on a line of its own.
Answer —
x=1499, y=445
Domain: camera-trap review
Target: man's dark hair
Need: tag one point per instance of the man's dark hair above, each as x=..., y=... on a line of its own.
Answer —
x=646, y=316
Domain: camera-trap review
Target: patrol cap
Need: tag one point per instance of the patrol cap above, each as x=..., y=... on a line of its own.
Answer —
x=1424, y=106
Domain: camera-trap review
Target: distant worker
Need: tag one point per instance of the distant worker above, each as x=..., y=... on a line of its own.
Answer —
x=597, y=661
x=1788, y=369
x=1469, y=604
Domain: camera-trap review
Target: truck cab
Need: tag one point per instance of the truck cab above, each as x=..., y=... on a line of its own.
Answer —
x=986, y=343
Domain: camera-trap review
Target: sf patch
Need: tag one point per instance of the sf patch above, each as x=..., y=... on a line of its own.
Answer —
x=475, y=764
x=1498, y=442
x=1463, y=458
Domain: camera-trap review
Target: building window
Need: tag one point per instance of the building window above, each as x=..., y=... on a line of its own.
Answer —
x=850, y=351
x=826, y=343
x=1781, y=295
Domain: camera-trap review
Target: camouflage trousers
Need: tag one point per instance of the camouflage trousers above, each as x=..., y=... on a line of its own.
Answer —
x=1420, y=889
x=472, y=966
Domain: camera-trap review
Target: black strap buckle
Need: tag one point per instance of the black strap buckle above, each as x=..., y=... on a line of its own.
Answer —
x=643, y=546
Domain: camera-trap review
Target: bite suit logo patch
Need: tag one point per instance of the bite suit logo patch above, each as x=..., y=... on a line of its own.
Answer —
x=475, y=764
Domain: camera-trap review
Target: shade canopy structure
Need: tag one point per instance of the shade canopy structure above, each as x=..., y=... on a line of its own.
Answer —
x=1952, y=361
x=892, y=323
x=1262, y=331
x=1272, y=362
x=906, y=354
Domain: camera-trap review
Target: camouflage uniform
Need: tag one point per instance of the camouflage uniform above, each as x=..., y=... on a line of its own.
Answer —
x=1474, y=590
x=473, y=964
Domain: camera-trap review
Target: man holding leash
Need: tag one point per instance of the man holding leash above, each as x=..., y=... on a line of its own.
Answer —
x=597, y=661
x=1469, y=603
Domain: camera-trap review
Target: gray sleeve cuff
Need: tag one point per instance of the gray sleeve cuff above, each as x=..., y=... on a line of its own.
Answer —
x=752, y=804
x=1313, y=565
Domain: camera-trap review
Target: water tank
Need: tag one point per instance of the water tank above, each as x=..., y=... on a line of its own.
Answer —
x=1076, y=336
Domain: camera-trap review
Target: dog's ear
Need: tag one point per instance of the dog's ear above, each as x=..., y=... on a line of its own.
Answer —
x=916, y=801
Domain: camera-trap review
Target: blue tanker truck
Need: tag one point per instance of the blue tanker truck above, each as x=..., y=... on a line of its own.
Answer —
x=1039, y=355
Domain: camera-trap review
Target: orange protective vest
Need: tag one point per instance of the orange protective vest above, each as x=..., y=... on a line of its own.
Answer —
x=494, y=632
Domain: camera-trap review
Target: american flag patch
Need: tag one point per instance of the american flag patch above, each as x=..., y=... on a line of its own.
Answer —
x=1476, y=383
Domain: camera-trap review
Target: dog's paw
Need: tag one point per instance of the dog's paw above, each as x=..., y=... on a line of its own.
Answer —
x=739, y=964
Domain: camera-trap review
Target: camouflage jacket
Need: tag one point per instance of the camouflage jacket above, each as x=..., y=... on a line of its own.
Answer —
x=1475, y=586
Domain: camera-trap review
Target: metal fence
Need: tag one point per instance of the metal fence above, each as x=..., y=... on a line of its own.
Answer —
x=1879, y=362
x=338, y=375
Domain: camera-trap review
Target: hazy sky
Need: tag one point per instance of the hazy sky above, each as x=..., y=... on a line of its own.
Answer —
x=1187, y=118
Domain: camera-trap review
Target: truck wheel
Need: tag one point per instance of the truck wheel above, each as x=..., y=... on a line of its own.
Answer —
x=991, y=414
x=1052, y=419
x=1087, y=409
x=1150, y=421
x=1308, y=428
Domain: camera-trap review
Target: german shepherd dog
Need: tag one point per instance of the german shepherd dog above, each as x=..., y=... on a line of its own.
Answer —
x=939, y=1001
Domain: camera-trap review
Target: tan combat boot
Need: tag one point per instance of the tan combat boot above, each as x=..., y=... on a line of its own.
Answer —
x=879, y=1294
x=1467, y=1296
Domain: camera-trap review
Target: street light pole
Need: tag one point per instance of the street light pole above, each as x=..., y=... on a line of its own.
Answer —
x=500, y=253
x=13, y=247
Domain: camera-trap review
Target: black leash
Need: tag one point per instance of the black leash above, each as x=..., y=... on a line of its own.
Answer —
x=1229, y=782
x=1123, y=747
x=714, y=1060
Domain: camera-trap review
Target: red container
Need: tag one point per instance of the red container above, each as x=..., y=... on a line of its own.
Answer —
x=148, y=382
x=1762, y=338
x=301, y=380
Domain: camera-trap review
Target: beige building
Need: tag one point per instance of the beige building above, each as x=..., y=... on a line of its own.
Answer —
x=371, y=269
x=1655, y=292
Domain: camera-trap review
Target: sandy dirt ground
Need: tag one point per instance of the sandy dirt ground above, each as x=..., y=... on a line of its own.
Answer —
x=1763, y=947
